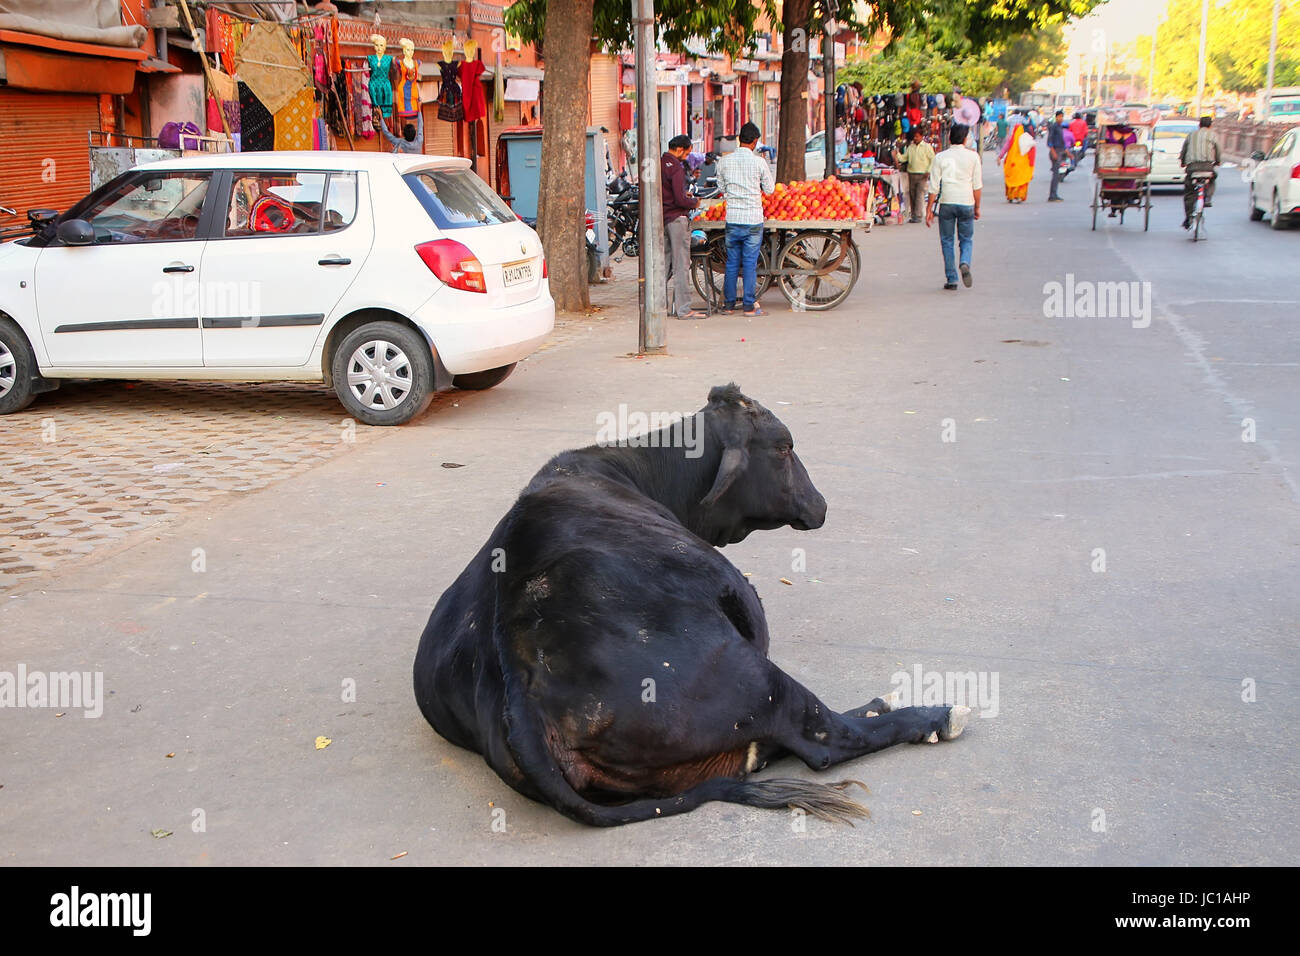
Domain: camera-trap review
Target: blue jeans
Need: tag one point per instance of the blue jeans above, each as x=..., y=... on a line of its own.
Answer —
x=742, y=250
x=963, y=219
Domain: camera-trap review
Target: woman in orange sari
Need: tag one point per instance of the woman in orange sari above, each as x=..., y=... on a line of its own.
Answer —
x=1017, y=159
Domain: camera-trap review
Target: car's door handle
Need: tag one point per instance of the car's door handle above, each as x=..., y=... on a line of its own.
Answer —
x=334, y=261
x=178, y=267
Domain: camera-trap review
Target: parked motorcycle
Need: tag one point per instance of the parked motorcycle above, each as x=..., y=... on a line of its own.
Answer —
x=624, y=213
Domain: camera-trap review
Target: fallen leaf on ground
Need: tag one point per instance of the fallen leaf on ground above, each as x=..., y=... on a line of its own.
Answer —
x=160, y=834
x=399, y=856
x=172, y=754
x=787, y=581
x=323, y=742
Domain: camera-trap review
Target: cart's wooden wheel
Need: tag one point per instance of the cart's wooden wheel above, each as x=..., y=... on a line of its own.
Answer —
x=810, y=252
x=717, y=270
x=1096, y=203
x=1146, y=219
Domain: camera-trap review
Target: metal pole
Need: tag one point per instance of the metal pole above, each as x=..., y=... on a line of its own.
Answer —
x=828, y=77
x=1200, y=78
x=1266, y=106
x=652, y=336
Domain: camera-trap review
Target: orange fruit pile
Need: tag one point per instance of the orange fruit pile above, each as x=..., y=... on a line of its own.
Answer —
x=813, y=199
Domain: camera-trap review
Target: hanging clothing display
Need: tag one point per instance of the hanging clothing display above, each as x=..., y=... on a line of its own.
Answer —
x=451, y=103
x=381, y=84
x=272, y=66
x=471, y=72
x=294, y=123
x=408, y=88
x=256, y=124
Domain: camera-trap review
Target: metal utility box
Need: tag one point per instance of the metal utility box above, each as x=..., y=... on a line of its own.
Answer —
x=520, y=159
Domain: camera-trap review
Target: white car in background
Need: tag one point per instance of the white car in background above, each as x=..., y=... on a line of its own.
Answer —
x=1275, y=182
x=1166, y=145
x=386, y=276
x=814, y=157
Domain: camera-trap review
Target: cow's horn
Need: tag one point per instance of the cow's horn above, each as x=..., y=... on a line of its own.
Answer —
x=733, y=463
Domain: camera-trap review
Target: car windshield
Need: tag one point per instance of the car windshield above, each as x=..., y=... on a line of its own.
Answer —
x=457, y=198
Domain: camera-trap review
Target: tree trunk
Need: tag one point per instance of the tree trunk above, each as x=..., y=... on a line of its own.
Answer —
x=793, y=137
x=560, y=205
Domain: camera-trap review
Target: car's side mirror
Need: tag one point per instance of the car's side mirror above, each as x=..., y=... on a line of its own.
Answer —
x=76, y=232
x=1257, y=155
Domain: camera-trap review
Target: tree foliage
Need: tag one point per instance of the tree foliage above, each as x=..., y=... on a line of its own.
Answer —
x=1237, y=41
x=956, y=27
x=915, y=59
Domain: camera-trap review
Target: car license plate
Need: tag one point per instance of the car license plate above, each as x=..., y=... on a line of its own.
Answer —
x=514, y=273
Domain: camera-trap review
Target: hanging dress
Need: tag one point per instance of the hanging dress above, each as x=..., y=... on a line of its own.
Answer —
x=451, y=103
x=408, y=88
x=381, y=87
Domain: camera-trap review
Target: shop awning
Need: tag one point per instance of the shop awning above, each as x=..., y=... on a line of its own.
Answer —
x=34, y=62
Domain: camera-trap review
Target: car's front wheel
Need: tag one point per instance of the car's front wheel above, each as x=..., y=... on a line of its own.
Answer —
x=477, y=381
x=17, y=365
x=383, y=373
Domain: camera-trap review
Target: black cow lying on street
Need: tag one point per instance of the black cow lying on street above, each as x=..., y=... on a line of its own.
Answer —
x=606, y=659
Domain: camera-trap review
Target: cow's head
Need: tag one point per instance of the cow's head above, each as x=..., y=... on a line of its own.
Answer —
x=760, y=482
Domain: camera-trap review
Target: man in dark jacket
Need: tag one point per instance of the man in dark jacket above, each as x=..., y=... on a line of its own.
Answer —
x=677, y=204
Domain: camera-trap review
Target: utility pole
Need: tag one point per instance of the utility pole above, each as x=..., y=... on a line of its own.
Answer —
x=828, y=77
x=1266, y=106
x=652, y=273
x=1200, y=77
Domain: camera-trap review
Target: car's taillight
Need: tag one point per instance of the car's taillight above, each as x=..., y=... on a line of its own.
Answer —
x=1295, y=171
x=543, y=267
x=453, y=264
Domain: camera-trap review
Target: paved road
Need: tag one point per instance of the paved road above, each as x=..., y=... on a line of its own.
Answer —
x=1121, y=733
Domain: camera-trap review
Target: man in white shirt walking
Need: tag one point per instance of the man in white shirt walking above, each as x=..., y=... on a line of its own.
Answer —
x=956, y=181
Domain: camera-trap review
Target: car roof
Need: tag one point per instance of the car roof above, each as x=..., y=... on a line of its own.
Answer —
x=320, y=159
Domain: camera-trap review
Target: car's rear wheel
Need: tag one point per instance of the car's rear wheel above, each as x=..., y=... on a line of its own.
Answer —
x=1275, y=217
x=17, y=365
x=383, y=373
x=1256, y=214
x=477, y=381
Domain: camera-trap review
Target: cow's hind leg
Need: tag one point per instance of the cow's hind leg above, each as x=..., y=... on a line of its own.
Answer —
x=820, y=737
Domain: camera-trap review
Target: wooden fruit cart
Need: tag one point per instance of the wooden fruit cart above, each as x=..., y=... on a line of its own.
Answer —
x=814, y=262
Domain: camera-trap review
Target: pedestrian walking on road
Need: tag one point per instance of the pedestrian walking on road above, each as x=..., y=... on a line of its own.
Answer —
x=677, y=204
x=956, y=182
x=743, y=179
x=1017, y=159
x=1056, y=152
x=918, y=156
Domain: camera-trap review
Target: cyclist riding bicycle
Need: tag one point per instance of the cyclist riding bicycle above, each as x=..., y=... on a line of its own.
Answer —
x=1200, y=154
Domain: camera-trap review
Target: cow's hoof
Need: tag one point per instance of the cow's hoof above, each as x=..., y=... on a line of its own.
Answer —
x=933, y=738
x=891, y=701
x=956, y=723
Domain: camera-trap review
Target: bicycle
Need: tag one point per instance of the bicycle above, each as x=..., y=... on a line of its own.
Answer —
x=1197, y=218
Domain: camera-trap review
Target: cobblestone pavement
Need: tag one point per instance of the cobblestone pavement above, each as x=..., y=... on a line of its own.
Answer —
x=92, y=463
x=89, y=466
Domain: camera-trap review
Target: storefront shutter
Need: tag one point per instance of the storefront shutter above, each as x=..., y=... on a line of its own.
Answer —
x=44, y=149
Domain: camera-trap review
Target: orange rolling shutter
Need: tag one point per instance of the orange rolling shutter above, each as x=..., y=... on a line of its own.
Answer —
x=44, y=149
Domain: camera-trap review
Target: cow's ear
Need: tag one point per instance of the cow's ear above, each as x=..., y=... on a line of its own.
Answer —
x=727, y=395
x=733, y=463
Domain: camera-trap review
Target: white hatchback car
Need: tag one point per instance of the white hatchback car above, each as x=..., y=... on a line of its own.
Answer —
x=386, y=276
x=1167, y=145
x=1275, y=182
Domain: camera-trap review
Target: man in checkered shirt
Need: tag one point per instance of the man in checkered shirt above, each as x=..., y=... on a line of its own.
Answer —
x=743, y=178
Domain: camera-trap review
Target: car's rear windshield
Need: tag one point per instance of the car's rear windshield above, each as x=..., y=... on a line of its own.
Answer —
x=457, y=198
